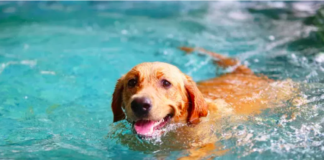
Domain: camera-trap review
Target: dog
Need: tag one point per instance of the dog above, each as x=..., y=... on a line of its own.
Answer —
x=154, y=95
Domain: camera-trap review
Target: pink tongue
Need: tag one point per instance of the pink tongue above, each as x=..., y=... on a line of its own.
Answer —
x=144, y=127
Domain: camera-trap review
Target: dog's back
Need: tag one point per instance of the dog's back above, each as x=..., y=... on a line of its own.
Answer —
x=247, y=93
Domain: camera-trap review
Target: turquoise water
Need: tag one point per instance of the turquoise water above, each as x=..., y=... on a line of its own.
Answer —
x=59, y=63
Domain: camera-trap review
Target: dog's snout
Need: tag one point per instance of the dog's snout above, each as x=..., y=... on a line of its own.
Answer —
x=141, y=106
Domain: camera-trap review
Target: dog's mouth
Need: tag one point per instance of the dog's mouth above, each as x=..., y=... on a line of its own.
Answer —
x=149, y=128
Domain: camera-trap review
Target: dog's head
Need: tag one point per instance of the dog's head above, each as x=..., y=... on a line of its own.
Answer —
x=154, y=94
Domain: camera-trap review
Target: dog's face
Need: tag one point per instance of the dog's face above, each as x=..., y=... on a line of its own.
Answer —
x=154, y=94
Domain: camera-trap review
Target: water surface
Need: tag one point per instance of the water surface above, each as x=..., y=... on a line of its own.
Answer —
x=59, y=63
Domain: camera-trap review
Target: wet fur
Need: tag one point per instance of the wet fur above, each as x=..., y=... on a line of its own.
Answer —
x=199, y=105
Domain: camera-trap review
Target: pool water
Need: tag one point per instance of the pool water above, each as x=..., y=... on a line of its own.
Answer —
x=59, y=62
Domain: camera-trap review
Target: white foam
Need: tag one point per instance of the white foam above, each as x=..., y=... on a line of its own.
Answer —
x=238, y=15
x=319, y=57
x=30, y=63
x=48, y=72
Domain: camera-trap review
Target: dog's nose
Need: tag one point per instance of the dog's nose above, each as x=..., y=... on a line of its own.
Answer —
x=141, y=106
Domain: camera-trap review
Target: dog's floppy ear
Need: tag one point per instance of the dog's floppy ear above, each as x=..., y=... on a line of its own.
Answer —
x=117, y=99
x=197, y=104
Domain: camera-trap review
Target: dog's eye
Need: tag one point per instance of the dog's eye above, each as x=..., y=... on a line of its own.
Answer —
x=132, y=82
x=165, y=83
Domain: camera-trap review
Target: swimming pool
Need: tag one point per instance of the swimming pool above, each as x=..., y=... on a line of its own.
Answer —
x=59, y=62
